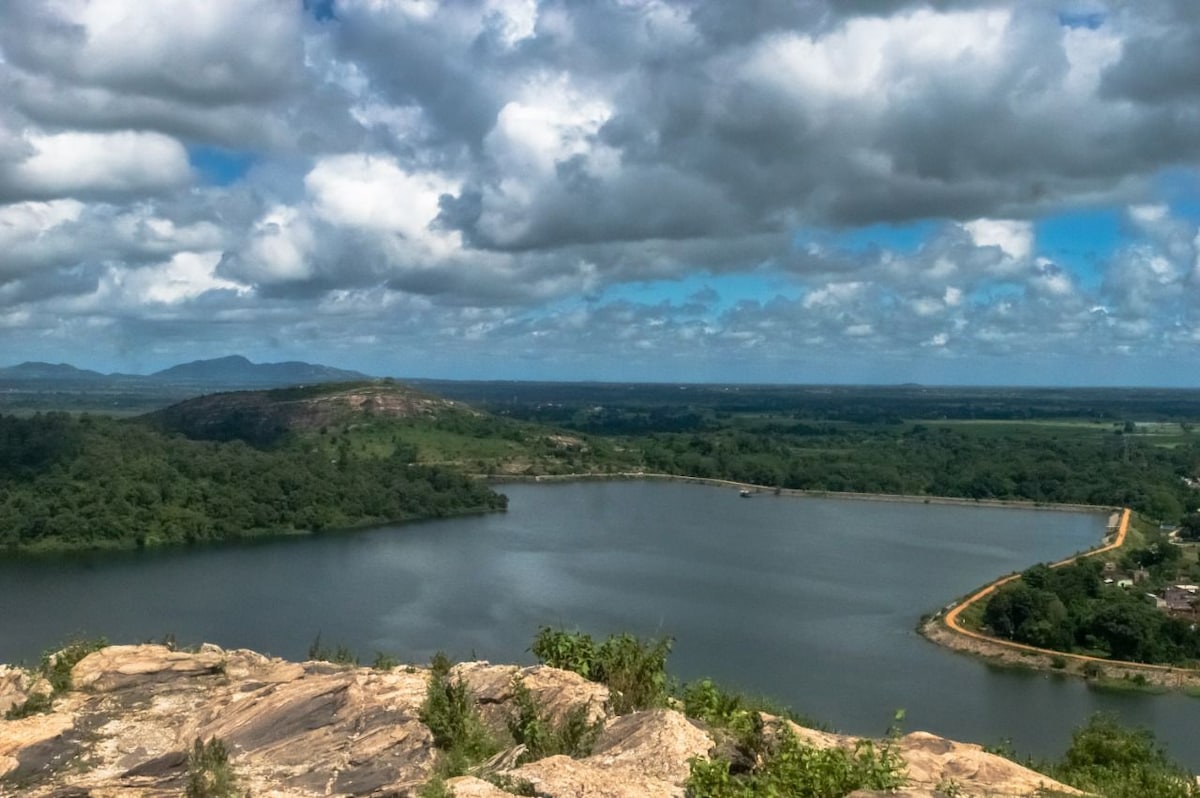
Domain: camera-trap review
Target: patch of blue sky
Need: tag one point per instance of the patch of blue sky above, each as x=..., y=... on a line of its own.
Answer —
x=1081, y=19
x=904, y=239
x=219, y=166
x=1082, y=241
x=1180, y=188
x=322, y=10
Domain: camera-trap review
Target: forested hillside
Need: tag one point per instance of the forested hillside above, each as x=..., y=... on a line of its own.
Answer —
x=92, y=482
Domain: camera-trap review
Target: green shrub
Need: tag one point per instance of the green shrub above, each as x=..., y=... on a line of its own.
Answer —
x=790, y=768
x=513, y=785
x=341, y=655
x=458, y=731
x=634, y=670
x=541, y=736
x=568, y=651
x=1116, y=762
x=723, y=710
x=435, y=788
x=210, y=775
x=55, y=667
x=36, y=704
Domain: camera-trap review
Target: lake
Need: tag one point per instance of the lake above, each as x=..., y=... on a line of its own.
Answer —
x=813, y=602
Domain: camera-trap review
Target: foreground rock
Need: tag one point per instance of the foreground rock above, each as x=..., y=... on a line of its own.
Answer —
x=301, y=730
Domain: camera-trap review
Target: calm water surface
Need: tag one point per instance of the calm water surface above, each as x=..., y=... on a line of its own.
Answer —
x=810, y=601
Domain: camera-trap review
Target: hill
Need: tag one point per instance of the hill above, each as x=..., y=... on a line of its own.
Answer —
x=237, y=370
x=36, y=370
x=263, y=417
x=386, y=419
x=34, y=386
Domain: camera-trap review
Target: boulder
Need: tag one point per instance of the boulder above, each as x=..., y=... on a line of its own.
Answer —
x=15, y=684
x=642, y=754
x=118, y=667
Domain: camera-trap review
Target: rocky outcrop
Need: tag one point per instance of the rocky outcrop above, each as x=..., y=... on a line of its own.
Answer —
x=301, y=730
x=264, y=416
x=15, y=687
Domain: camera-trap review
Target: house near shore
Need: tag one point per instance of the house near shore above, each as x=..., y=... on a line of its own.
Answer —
x=1180, y=599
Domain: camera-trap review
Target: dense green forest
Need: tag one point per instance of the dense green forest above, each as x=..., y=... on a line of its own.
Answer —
x=971, y=461
x=1072, y=609
x=309, y=458
x=94, y=482
x=1118, y=447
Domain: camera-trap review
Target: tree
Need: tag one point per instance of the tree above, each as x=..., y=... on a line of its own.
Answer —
x=1189, y=527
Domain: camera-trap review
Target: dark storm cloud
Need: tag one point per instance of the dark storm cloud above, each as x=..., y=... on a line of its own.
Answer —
x=1160, y=62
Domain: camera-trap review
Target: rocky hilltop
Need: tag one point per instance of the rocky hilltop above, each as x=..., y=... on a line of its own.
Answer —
x=125, y=725
x=262, y=416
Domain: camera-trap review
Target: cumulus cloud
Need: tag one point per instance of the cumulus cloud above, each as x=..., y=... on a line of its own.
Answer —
x=182, y=50
x=76, y=164
x=495, y=169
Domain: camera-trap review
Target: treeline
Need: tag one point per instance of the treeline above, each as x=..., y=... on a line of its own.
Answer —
x=1071, y=609
x=1101, y=469
x=93, y=482
x=587, y=406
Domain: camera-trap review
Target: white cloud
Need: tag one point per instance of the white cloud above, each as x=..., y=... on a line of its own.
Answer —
x=185, y=276
x=862, y=61
x=279, y=250
x=834, y=294
x=1014, y=238
x=219, y=51
x=73, y=163
x=373, y=192
x=1149, y=214
x=489, y=170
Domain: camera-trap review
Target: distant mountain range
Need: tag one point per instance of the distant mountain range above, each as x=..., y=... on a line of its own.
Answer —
x=233, y=371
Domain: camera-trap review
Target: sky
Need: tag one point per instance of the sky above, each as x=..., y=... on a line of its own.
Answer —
x=783, y=191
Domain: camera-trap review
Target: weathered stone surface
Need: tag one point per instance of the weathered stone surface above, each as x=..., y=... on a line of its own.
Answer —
x=658, y=743
x=302, y=730
x=934, y=761
x=14, y=687
x=563, y=777
x=645, y=753
x=556, y=692
x=118, y=667
x=21, y=740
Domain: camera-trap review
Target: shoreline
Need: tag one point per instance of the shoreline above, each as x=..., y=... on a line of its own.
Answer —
x=943, y=628
x=946, y=629
x=767, y=490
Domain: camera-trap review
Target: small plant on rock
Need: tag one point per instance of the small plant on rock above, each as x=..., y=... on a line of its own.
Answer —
x=210, y=774
x=55, y=668
x=792, y=768
x=341, y=655
x=458, y=731
x=541, y=736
